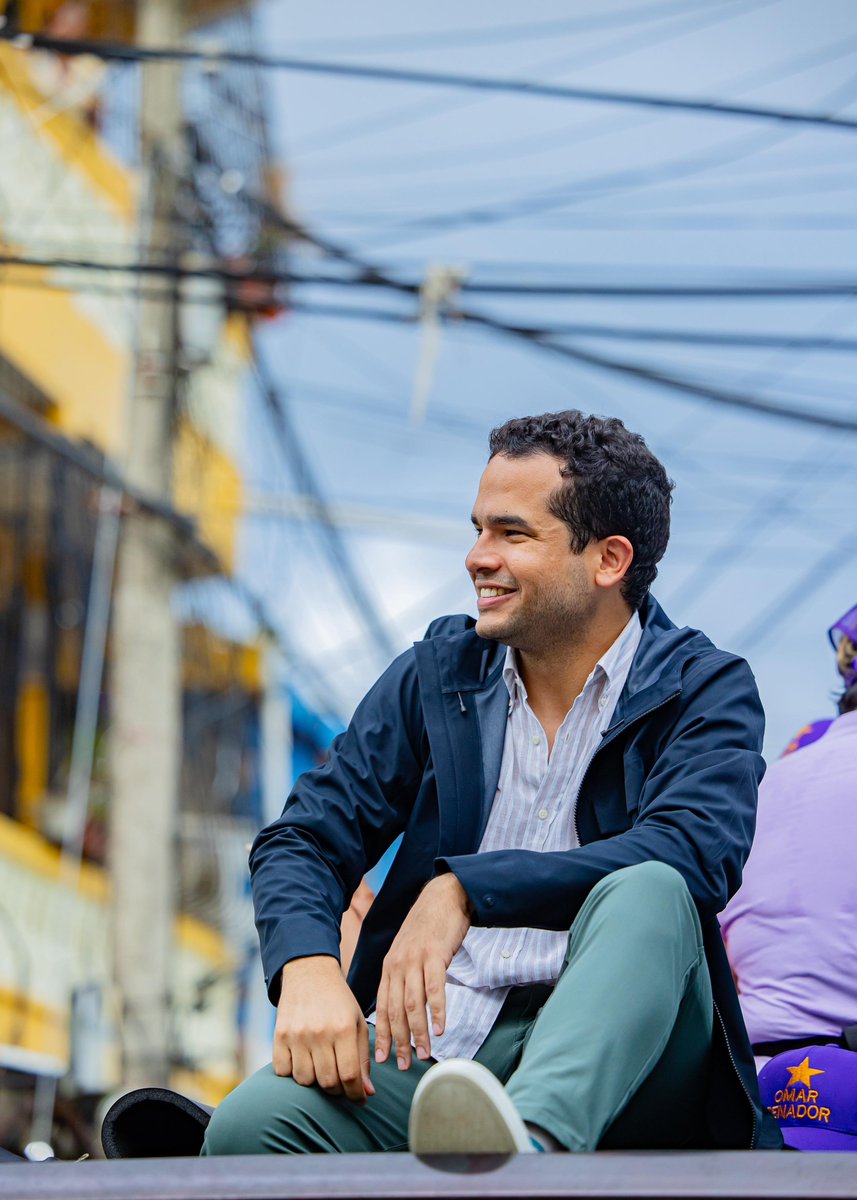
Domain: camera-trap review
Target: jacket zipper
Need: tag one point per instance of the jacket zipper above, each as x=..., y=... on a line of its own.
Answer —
x=621, y=728
x=740, y=1080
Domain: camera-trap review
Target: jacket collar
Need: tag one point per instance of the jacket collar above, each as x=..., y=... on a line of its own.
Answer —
x=464, y=703
x=468, y=663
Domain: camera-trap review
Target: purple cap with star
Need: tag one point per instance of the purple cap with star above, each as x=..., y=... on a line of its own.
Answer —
x=812, y=1093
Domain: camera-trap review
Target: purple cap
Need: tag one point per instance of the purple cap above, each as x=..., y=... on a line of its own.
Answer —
x=846, y=625
x=812, y=1093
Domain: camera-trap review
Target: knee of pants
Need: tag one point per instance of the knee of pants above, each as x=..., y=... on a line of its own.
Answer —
x=648, y=881
x=648, y=892
x=229, y=1132
x=234, y=1128
x=265, y=1114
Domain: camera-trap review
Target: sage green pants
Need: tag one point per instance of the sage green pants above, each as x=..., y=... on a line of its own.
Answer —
x=614, y=1056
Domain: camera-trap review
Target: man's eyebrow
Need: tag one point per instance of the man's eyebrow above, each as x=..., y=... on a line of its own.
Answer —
x=504, y=519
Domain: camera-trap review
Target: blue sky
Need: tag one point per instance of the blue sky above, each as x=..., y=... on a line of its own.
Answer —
x=765, y=521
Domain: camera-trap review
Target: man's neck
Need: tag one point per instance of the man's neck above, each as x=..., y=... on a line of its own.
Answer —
x=554, y=677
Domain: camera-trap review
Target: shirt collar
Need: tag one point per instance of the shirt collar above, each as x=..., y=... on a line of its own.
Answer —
x=845, y=723
x=614, y=663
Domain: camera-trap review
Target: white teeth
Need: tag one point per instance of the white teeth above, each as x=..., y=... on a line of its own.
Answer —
x=486, y=592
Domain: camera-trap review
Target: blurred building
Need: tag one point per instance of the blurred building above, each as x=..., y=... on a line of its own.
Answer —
x=68, y=193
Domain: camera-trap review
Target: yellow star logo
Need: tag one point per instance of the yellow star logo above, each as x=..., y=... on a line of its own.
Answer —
x=803, y=1073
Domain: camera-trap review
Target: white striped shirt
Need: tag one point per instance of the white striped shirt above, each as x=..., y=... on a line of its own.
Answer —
x=533, y=809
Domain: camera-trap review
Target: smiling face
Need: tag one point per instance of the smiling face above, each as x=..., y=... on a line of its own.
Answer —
x=533, y=591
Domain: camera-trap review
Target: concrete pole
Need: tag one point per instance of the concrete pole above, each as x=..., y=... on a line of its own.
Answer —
x=145, y=732
x=276, y=740
x=276, y=778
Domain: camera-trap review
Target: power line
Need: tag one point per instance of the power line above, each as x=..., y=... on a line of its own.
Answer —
x=672, y=204
x=374, y=277
x=354, y=404
x=568, y=134
x=538, y=335
x=776, y=499
x=103, y=472
x=38, y=431
x=677, y=383
x=615, y=333
x=690, y=387
x=635, y=15
x=206, y=156
x=640, y=372
x=386, y=120
x=817, y=575
x=606, y=332
x=531, y=88
x=791, y=386
x=314, y=679
x=645, y=220
x=767, y=511
x=643, y=373
x=561, y=196
x=368, y=272
x=308, y=484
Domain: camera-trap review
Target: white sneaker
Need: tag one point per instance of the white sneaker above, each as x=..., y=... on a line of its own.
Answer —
x=459, y=1107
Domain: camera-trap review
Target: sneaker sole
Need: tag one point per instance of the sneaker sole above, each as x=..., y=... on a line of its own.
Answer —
x=460, y=1108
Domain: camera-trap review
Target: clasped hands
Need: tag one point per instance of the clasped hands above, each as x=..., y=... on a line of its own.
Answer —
x=321, y=1036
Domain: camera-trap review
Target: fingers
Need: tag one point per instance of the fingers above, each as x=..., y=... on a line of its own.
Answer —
x=321, y=1035
x=401, y=1010
x=383, y=1037
x=282, y=1059
x=435, y=984
x=326, y=1069
x=303, y=1071
x=415, y=1012
x=349, y=1068
x=399, y=1028
x=340, y=1066
x=363, y=1054
x=316, y=1065
x=414, y=971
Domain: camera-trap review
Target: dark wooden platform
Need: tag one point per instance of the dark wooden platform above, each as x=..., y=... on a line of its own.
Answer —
x=617, y=1176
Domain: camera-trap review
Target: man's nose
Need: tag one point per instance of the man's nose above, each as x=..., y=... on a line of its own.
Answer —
x=483, y=557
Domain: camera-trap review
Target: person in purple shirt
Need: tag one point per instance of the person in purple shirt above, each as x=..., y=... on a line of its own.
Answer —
x=789, y=930
x=842, y=636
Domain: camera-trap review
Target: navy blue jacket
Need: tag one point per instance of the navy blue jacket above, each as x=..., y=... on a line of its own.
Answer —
x=674, y=780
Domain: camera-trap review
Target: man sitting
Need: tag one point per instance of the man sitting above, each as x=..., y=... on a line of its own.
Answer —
x=575, y=780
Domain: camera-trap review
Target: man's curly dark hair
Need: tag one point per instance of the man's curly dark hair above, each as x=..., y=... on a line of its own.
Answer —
x=613, y=485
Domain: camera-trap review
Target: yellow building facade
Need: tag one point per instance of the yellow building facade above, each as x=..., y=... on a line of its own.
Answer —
x=66, y=357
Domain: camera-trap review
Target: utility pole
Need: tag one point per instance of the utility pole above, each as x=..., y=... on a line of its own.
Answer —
x=145, y=736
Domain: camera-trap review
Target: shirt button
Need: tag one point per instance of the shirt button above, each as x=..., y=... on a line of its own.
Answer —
x=506, y=954
x=602, y=703
x=543, y=814
x=537, y=741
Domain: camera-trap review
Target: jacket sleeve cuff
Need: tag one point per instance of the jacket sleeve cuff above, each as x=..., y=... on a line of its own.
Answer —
x=482, y=901
x=296, y=939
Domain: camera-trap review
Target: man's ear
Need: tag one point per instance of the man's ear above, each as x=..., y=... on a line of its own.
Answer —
x=615, y=557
